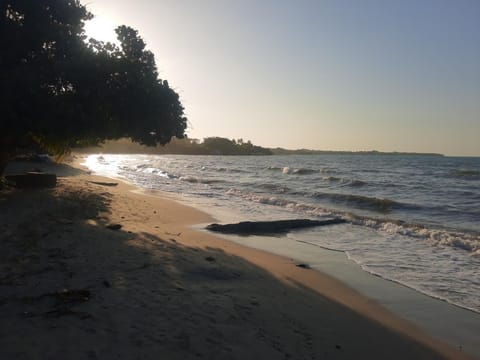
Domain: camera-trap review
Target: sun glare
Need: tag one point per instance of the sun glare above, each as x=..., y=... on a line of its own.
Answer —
x=101, y=28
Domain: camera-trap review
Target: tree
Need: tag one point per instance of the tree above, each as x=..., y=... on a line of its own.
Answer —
x=59, y=91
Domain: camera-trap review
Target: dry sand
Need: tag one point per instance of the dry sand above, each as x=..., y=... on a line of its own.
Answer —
x=71, y=288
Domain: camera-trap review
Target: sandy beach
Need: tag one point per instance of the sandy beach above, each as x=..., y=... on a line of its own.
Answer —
x=94, y=271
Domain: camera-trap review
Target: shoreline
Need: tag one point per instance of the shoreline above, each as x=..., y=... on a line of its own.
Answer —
x=170, y=225
x=291, y=236
x=378, y=286
x=421, y=309
x=417, y=307
x=435, y=316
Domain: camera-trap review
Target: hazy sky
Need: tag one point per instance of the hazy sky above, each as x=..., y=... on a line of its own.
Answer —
x=389, y=75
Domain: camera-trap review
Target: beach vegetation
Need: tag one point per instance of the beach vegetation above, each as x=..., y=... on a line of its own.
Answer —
x=60, y=89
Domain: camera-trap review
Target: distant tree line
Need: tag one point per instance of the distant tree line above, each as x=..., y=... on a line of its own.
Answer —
x=186, y=146
x=222, y=146
x=281, y=151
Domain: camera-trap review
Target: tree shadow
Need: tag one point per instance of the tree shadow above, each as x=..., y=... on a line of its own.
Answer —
x=76, y=289
x=60, y=169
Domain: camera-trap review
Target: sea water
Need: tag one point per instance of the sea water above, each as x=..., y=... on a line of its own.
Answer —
x=411, y=219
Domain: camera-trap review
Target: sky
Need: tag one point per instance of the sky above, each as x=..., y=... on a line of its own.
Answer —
x=386, y=75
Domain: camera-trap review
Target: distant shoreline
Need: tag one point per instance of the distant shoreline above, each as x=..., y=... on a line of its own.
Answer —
x=334, y=152
x=223, y=146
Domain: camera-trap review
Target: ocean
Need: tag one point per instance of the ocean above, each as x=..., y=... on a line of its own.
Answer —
x=411, y=219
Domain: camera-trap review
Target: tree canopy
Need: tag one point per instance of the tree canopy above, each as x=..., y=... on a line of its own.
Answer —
x=60, y=90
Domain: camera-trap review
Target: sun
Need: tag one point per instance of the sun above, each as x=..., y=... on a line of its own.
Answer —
x=101, y=28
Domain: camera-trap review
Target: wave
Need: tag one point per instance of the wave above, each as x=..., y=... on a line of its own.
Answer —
x=344, y=182
x=102, y=160
x=376, y=270
x=303, y=171
x=466, y=173
x=147, y=169
x=363, y=202
x=417, y=287
x=281, y=202
x=436, y=237
x=192, y=179
x=332, y=179
x=275, y=168
x=288, y=170
x=469, y=242
x=229, y=170
x=273, y=187
x=356, y=183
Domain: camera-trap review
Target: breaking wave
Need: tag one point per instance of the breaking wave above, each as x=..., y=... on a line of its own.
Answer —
x=293, y=171
x=437, y=237
x=465, y=241
x=363, y=202
x=278, y=201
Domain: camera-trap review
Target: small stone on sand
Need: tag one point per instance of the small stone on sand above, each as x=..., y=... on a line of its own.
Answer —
x=114, y=226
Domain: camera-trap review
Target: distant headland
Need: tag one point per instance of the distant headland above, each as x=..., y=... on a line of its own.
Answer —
x=221, y=146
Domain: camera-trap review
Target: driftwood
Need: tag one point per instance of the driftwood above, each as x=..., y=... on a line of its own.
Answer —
x=104, y=183
x=270, y=227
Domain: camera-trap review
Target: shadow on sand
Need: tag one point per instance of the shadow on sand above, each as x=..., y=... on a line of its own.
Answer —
x=61, y=169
